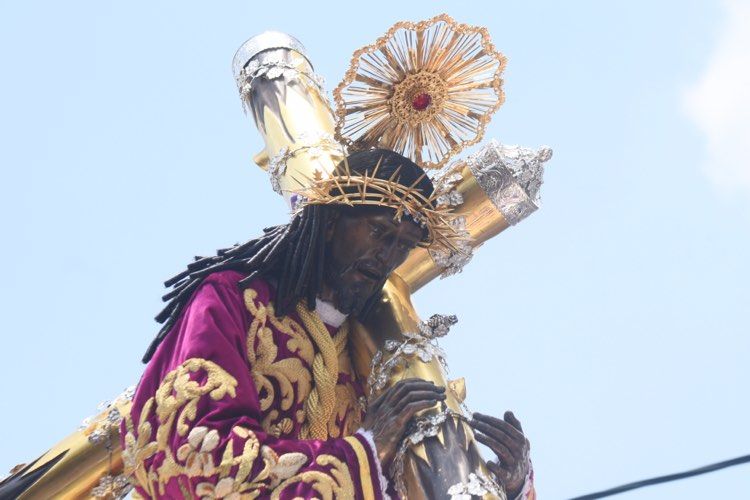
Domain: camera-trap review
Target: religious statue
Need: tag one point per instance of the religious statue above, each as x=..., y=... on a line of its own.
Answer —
x=294, y=365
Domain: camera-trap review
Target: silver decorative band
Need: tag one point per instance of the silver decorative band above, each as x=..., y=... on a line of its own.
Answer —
x=257, y=44
x=511, y=177
x=397, y=354
x=315, y=145
x=478, y=485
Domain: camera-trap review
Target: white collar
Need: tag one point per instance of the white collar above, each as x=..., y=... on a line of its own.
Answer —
x=329, y=314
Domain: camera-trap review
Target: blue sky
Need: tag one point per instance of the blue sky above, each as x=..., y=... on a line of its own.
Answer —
x=613, y=321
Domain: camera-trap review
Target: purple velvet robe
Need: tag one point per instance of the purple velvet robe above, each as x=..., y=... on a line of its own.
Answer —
x=220, y=408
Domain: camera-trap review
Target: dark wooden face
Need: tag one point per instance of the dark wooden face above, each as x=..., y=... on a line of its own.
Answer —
x=364, y=245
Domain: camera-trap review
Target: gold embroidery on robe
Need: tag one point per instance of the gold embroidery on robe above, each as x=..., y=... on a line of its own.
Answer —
x=177, y=397
x=335, y=484
x=267, y=369
x=348, y=414
x=176, y=402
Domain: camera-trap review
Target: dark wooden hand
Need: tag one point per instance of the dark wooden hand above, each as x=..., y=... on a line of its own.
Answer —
x=388, y=415
x=506, y=439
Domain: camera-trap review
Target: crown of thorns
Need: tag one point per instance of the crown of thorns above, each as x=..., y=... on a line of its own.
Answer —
x=343, y=187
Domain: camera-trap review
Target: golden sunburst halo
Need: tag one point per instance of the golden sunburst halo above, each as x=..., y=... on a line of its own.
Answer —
x=425, y=90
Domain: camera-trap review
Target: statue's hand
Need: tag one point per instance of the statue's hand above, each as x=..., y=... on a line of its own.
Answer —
x=506, y=439
x=388, y=415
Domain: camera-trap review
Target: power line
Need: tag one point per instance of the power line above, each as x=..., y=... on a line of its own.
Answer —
x=665, y=479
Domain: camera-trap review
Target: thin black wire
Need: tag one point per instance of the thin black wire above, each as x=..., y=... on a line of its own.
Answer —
x=665, y=479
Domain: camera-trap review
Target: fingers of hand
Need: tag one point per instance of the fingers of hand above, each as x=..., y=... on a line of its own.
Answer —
x=374, y=404
x=502, y=474
x=502, y=451
x=515, y=446
x=403, y=387
x=415, y=396
x=391, y=405
x=411, y=409
x=500, y=426
x=512, y=420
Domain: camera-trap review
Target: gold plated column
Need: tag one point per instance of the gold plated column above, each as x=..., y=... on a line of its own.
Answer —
x=86, y=462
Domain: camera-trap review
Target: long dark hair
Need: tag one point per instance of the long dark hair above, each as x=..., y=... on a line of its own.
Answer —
x=293, y=254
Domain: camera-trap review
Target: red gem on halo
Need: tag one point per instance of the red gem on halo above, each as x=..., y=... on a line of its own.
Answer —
x=420, y=102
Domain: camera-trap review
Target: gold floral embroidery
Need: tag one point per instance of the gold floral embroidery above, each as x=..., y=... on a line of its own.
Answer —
x=337, y=483
x=175, y=406
x=137, y=450
x=277, y=429
x=347, y=417
x=196, y=453
x=268, y=372
x=222, y=489
x=184, y=491
x=348, y=414
x=177, y=397
x=285, y=426
x=265, y=367
x=345, y=362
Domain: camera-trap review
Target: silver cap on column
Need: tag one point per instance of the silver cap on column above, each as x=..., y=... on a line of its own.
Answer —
x=265, y=41
x=511, y=177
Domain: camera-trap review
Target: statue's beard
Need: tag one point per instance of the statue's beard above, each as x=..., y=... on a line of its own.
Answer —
x=350, y=296
x=347, y=302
